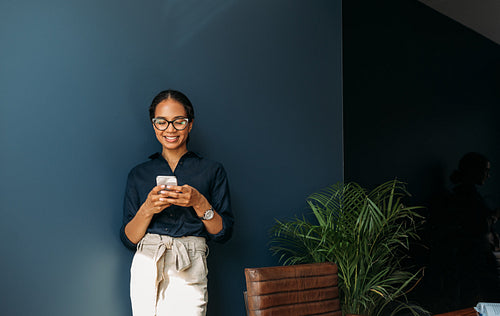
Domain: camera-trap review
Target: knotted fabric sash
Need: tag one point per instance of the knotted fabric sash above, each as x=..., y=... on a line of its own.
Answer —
x=158, y=245
x=163, y=243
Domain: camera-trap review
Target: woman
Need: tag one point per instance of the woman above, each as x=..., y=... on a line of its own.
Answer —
x=169, y=225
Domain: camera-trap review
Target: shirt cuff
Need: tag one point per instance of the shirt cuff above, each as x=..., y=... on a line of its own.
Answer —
x=222, y=236
x=125, y=239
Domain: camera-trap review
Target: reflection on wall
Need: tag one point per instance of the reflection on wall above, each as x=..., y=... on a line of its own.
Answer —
x=420, y=91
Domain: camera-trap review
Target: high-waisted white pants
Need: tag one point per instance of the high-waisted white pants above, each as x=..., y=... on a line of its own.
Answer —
x=169, y=276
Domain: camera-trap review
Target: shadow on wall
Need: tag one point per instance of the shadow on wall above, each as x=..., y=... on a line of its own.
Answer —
x=461, y=237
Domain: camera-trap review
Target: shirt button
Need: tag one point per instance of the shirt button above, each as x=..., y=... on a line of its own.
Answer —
x=166, y=229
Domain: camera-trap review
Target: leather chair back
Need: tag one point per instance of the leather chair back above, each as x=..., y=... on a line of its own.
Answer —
x=305, y=289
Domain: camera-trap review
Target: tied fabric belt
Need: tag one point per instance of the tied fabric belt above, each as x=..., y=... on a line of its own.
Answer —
x=156, y=246
x=162, y=243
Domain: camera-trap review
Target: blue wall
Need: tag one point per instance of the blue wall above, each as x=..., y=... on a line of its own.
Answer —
x=76, y=78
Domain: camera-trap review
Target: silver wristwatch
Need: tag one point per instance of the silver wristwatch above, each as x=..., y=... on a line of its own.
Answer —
x=209, y=214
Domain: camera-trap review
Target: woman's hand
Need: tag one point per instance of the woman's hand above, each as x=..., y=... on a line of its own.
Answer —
x=155, y=202
x=186, y=196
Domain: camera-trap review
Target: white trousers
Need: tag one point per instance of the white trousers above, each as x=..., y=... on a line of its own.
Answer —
x=169, y=276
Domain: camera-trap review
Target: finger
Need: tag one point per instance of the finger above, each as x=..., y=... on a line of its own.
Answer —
x=180, y=201
x=173, y=195
x=176, y=188
x=158, y=201
x=157, y=189
x=163, y=192
x=157, y=210
x=157, y=206
x=153, y=198
x=161, y=200
x=167, y=194
x=161, y=204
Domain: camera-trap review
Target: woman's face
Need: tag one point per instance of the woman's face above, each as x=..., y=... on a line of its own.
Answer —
x=172, y=139
x=486, y=173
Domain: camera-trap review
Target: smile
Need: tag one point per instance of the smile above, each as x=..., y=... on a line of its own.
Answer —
x=171, y=138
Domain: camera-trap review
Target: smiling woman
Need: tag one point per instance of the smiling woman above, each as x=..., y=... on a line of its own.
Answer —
x=169, y=225
x=172, y=129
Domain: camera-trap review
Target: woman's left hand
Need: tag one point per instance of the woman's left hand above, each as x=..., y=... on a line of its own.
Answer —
x=188, y=196
x=185, y=196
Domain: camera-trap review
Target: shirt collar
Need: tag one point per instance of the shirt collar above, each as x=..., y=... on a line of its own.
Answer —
x=157, y=155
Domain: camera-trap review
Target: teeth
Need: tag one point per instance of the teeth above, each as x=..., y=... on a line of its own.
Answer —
x=171, y=138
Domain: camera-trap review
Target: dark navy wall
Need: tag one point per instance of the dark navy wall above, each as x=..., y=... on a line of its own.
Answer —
x=420, y=90
x=76, y=79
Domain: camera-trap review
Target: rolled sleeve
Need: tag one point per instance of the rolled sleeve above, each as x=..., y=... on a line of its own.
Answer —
x=130, y=207
x=221, y=202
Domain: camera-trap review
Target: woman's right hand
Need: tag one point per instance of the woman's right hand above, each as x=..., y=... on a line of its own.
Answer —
x=155, y=202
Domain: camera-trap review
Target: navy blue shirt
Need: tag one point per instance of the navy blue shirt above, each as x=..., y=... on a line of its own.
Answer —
x=206, y=176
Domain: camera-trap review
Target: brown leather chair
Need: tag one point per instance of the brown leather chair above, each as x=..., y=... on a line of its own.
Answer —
x=305, y=289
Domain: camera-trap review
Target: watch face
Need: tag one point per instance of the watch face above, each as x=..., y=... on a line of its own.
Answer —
x=209, y=214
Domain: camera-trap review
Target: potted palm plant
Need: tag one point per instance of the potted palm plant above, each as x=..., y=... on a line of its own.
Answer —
x=366, y=235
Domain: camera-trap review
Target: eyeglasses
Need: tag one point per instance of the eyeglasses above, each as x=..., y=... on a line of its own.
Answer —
x=162, y=124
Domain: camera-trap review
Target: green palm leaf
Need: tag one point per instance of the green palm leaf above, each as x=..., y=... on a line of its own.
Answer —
x=365, y=234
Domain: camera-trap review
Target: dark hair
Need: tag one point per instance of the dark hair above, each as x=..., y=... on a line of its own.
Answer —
x=470, y=164
x=174, y=95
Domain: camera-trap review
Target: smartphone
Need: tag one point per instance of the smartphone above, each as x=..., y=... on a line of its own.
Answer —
x=166, y=180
